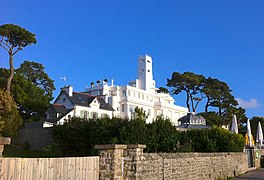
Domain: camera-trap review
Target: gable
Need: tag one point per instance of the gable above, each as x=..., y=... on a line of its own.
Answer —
x=95, y=103
x=64, y=99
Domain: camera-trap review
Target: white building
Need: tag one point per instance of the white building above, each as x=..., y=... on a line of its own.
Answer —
x=75, y=104
x=140, y=93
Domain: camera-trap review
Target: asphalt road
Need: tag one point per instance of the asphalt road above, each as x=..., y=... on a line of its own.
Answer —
x=252, y=175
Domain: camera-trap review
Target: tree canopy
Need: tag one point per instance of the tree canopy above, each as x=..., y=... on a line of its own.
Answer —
x=217, y=94
x=189, y=83
x=10, y=120
x=14, y=38
x=32, y=90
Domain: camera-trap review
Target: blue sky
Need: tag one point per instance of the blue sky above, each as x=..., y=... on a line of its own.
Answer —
x=91, y=40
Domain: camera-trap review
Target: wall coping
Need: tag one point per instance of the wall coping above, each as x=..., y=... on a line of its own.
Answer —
x=110, y=146
x=5, y=140
x=134, y=146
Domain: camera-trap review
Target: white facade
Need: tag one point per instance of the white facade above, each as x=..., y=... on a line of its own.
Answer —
x=139, y=93
x=75, y=105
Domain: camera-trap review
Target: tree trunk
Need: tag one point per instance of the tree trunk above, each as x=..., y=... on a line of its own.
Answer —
x=10, y=78
x=187, y=101
x=193, y=108
x=219, y=109
x=206, y=105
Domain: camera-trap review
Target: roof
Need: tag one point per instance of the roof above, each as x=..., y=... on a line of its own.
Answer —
x=191, y=117
x=84, y=99
x=32, y=125
x=59, y=108
x=192, y=126
x=53, y=120
x=104, y=105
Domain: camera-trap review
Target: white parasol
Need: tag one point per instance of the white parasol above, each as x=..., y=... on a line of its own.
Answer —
x=234, y=127
x=259, y=137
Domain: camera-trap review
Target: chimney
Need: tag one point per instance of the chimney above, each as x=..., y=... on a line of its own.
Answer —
x=112, y=83
x=68, y=89
x=98, y=82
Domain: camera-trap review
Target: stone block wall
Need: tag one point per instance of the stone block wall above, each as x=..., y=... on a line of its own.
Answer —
x=258, y=153
x=34, y=135
x=129, y=162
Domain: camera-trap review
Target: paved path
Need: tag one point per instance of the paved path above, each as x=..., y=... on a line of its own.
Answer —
x=252, y=175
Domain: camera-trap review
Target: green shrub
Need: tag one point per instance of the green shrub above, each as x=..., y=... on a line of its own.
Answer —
x=78, y=136
x=213, y=140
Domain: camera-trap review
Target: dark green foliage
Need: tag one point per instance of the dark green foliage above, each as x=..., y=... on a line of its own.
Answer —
x=35, y=73
x=190, y=83
x=78, y=136
x=254, y=125
x=31, y=88
x=212, y=118
x=162, y=90
x=161, y=136
x=134, y=132
x=16, y=36
x=213, y=140
x=217, y=96
x=81, y=135
x=140, y=114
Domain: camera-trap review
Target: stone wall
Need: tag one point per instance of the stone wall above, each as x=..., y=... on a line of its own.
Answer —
x=34, y=136
x=129, y=162
x=192, y=165
x=258, y=153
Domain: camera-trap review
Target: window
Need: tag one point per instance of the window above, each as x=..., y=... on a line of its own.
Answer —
x=131, y=108
x=149, y=112
x=148, y=61
x=128, y=92
x=105, y=115
x=142, y=70
x=138, y=95
x=53, y=114
x=148, y=70
x=123, y=108
x=64, y=99
x=95, y=115
x=143, y=96
x=134, y=94
x=83, y=114
x=124, y=93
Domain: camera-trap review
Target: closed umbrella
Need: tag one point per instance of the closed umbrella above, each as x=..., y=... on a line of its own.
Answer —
x=234, y=127
x=250, y=139
x=260, y=135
